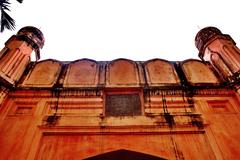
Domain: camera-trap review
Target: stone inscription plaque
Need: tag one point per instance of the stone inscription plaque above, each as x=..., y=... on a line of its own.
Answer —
x=123, y=105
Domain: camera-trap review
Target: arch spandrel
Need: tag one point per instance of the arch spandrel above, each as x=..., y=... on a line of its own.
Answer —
x=82, y=73
x=161, y=72
x=122, y=72
x=197, y=72
x=44, y=74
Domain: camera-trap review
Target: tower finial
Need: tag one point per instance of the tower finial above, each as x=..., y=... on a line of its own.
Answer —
x=206, y=36
x=16, y=54
x=221, y=51
x=33, y=37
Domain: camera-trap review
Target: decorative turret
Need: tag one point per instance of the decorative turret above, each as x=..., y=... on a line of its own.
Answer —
x=16, y=54
x=221, y=51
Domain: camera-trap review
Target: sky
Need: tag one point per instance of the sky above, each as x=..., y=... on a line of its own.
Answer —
x=134, y=29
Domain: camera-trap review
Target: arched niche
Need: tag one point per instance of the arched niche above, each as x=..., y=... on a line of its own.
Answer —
x=43, y=74
x=160, y=72
x=82, y=73
x=122, y=72
x=124, y=155
x=197, y=72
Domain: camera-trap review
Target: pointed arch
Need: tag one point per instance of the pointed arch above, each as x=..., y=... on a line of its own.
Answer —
x=124, y=155
x=220, y=65
x=232, y=57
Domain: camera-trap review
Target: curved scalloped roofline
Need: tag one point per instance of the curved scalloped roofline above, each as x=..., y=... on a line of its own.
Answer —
x=112, y=61
x=190, y=59
x=45, y=60
x=156, y=59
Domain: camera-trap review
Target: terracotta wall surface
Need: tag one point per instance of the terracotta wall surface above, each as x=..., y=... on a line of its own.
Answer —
x=222, y=115
x=81, y=146
x=208, y=129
